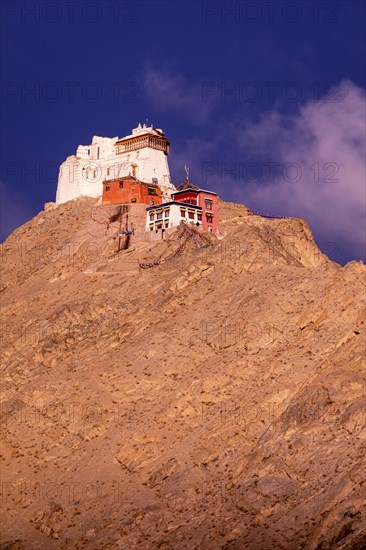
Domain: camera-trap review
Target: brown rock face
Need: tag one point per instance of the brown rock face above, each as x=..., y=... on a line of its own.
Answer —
x=213, y=401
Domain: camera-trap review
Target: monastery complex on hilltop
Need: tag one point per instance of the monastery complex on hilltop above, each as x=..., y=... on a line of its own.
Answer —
x=134, y=169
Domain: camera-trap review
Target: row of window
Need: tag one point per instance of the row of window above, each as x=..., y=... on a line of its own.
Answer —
x=208, y=203
x=191, y=215
x=150, y=190
x=153, y=142
x=209, y=217
x=190, y=201
x=131, y=145
x=160, y=226
x=159, y=215
x=108, y=187
x=166, y=212
x=165, y=225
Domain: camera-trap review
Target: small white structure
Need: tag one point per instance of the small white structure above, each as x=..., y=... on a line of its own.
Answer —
x=143, y=153
x=171, y=214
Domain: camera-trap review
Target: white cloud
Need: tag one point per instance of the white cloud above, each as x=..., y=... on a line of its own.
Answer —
x=324, y=139
x=171, y=92
x=327, y=140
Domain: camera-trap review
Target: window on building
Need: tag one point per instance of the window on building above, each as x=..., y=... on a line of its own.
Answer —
x=133, y=200
x=121, y=184
x=199, y=217
x=208, y=204
x=151, y=190
x=166, y=224
x=166, y=213
x=209, y=218
x=191, y=215
x=151, y=217
x=183, y=213
x=107, y=188
x=159, y=215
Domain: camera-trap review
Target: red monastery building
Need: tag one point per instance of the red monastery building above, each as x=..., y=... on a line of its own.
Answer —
x=206, y=200
x=130, y=190
x=190, y=204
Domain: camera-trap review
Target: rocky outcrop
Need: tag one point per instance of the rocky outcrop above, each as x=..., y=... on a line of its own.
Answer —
x=213, y=401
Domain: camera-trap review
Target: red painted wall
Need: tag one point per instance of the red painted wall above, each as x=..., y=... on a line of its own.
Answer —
x=210, y=223
x=132, y=190
x=187, y=196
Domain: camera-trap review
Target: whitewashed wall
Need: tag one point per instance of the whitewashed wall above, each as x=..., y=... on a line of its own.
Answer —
x=84, y=173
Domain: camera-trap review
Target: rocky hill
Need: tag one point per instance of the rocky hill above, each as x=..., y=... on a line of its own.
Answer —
x=213, y=401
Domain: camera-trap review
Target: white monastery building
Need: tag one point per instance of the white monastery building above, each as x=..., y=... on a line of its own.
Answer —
x=171, y=214
x=143, y=153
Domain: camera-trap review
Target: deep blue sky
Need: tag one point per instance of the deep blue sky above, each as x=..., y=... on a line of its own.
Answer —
x=170, y=62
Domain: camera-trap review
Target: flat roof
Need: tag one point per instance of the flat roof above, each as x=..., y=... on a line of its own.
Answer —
x=145, y=134
x=123, y=178
x=182, y=204
x=195, y=190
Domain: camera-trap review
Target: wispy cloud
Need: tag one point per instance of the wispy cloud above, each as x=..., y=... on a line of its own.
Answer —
x=319, y=158
x=326, y=139
x=169, y=91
